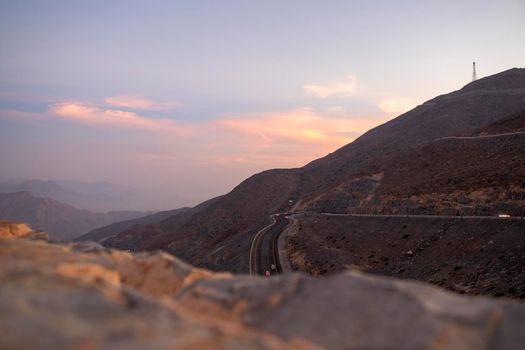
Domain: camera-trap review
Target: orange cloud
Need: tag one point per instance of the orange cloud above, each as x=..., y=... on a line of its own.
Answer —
x=289, y=138
x=205, y=158
x=111, y=117
x=397, y=105
x=345, y=87
x=266, y=140
x=137, y=102
x=303, y=125
x=252, y=142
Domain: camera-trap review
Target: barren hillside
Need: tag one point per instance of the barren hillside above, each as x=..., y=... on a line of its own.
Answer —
x=405, y=165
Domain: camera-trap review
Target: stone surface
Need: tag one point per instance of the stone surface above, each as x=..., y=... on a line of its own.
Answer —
x=84, y=296
x=19, y=230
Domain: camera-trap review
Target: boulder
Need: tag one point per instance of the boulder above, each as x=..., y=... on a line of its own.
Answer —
x=84, y=296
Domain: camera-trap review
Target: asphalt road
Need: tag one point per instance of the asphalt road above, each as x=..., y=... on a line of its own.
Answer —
x=264, y=251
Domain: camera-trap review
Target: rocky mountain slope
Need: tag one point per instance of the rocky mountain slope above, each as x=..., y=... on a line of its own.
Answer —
x=470, y=255
x=447, y=175
x=102, y=233
x=480, y=174
x=215, y=233
x=83, y=296
x=511, y=124
x=61, y=221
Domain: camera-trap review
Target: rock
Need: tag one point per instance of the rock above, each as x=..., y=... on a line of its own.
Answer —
x=52, y=297
x=356, y=311
x=55, y=296
x=18, y=230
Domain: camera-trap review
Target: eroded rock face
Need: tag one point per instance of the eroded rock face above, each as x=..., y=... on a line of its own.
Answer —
x=57, y=297
x=85, y=296
x=19, y=230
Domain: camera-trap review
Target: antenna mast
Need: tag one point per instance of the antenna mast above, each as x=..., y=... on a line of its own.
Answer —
x=474, y=75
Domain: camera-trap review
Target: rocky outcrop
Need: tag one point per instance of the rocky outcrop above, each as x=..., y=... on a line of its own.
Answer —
x=19, y=230
x=84, y=296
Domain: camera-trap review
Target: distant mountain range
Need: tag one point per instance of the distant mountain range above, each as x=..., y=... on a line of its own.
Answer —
x=97, y=196
x=59, y=220
x=417, y=163
x=102, y=233
x=146, y=227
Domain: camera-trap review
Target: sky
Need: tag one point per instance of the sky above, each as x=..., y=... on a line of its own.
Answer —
x=189, y=98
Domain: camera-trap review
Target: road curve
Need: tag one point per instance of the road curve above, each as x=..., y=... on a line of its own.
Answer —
x=264, y=248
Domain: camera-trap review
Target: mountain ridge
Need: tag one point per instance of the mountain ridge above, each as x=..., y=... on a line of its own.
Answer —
x=60, y=220
x=349, y=177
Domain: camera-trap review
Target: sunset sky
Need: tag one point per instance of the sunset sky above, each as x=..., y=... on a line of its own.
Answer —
x=192, y=97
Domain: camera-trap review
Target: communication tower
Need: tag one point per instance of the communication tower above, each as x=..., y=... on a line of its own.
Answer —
x=474, y=75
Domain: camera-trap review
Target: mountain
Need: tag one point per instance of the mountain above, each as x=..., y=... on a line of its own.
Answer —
x=102, y=233
x=99, y=196
x=418, y=163
x=151, y=235
x=37, y=188
x=95, y=196
x=474, y=173
x=511, y=124
x=61, y=221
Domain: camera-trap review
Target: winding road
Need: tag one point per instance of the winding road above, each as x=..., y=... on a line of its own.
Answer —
x=264, y=249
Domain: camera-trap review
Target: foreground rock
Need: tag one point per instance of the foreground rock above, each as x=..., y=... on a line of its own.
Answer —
x=84, y=296
x=19, y=230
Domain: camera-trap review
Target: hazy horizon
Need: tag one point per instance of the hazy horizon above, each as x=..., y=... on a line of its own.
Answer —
x=187, y=100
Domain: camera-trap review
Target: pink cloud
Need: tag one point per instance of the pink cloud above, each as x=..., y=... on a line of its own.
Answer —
x=299, y=125
x=137, y=102
x=111, y=117
x=265, y=140
x=290, y=138
x=235, y=145
x=197, y=160
x=344, y=87
x=286, y=138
